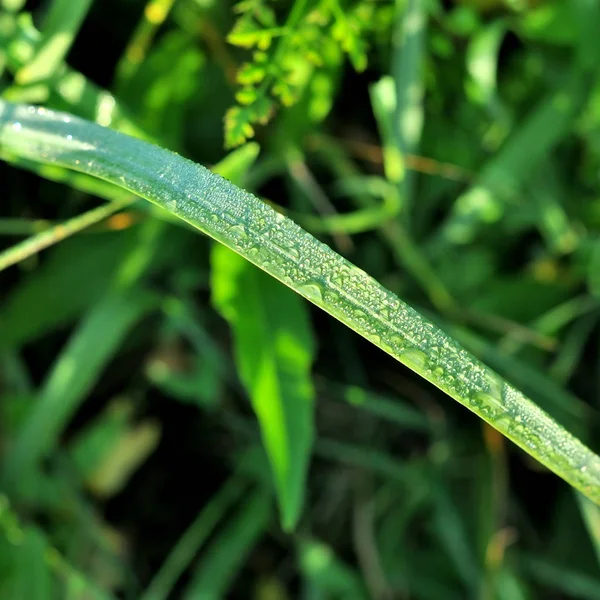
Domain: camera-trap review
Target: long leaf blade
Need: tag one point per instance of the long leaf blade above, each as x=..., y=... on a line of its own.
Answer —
x=242, y=222
x=273, y=348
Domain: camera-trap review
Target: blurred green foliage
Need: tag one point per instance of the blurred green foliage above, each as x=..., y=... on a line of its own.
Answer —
x=450, y=149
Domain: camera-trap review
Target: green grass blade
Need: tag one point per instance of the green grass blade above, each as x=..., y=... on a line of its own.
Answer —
x=56, y=233
x=407, y=70
x=482, y=64
x=63, y=20
x=74, y=373
x=561, y=580
x=155, y=13
x=23, y=320
x=218, y=567
x=70, y=89
x=32, y=555
x=273, y=350
x=591, y=519
x=242, y=222
x=392, y=410
x=502, y=178
x=194, y=537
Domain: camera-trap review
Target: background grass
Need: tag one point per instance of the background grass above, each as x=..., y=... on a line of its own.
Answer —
x=452, y=151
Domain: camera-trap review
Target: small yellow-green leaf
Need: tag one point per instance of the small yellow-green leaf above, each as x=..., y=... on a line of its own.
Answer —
x=238, y=127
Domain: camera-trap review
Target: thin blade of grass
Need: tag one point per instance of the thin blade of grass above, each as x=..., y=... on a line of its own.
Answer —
x=219, y=565
x=77, y=369
x=55, y=234
x=556, y=578
x=155, y=13
x=194, y=537
x=590, y=514
x=501, y=180
x=407, y=70
x=29, y=545
x=61, y=25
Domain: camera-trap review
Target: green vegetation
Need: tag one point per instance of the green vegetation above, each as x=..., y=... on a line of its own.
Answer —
x=462, y=175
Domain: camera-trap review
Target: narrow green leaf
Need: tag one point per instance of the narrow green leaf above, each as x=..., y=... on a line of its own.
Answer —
x=63, y=20
x=33, y=577
x=502, y=178
x=407, y=69
x=57, y=233
x=266, y=238
x=562, y=580
x=218, y=567
x=76, y=370
x=24, y=319
x=273, y=350
x=192, y=540
x=482, y=63
x=590, y=513
x=31, y=560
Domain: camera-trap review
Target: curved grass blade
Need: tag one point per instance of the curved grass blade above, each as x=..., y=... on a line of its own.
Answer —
x=242, y=222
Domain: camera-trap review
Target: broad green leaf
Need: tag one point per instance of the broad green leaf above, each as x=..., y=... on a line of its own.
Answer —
x=273, y=351
x=266, y=238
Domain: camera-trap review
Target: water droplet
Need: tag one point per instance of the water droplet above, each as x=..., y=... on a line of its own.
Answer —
x=415, y=359
x=239, y=231
x=312, y=291
x=17, y=126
